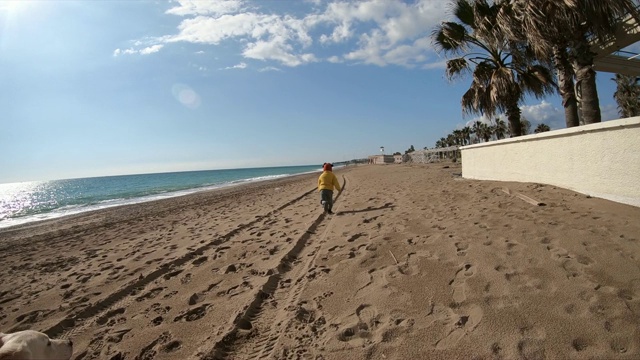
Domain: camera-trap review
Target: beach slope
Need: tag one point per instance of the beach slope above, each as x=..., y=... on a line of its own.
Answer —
x=416, y=263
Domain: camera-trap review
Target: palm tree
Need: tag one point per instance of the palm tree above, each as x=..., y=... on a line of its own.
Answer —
x=476, y=129
x=482, y=131
x=523, y=20
x=501, y=76
x=541, y=128
x=485, y=132
x=466, y=132
x=627, y=95
x=451, y=140
x=525, y=125
x=458, y=137
x=500, y=129
x=563, y=30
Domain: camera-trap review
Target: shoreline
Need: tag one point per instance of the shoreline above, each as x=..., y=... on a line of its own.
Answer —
x=416, y=263
x=202, y=192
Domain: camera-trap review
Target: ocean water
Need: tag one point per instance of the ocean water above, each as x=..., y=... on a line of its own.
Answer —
x=26, y=202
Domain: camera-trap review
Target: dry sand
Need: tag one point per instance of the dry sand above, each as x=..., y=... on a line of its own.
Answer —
x=417, y=263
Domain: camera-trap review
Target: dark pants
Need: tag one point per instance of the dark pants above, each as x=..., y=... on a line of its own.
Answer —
x=327, y=197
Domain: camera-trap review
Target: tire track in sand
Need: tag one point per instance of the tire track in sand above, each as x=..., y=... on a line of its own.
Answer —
x=76, y=320
x=254, y=334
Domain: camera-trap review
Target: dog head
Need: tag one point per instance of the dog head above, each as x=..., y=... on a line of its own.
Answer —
x=31, y=345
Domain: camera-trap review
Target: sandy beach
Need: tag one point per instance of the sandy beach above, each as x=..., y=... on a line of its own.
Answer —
x=417, y=263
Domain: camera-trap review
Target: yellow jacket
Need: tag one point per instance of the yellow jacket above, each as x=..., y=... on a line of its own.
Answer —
x=327, y=181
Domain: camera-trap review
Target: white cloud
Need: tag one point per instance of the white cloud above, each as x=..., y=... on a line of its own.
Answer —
x=405, y=55
x=370, y=50
x=151, y=49
x=545, y=113
x=276, y=50
x=334, y=59
x=380, y=32
x=483, y=119
x=200, y=7
x=146, y=51
x=401, y=35
x=119, y=52
x=237, y=66
x=340, y=33
x=269, y=68
x=209, y=30
x=435, y=65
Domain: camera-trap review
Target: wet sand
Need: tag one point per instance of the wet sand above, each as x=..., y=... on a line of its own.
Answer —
x=417, y=263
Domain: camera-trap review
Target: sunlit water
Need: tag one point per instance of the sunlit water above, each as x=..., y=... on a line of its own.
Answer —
x=26, y=202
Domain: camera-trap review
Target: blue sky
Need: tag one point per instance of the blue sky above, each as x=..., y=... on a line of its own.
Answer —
x=93, y=88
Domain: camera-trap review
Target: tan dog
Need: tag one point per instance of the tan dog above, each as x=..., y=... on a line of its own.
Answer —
x=33, y=345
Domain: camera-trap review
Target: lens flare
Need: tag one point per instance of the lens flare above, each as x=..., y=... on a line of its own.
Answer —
x=186, y=95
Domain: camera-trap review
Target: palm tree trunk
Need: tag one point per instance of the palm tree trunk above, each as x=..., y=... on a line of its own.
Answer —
x=586, y=82
x=513, y=115
x=567, y=89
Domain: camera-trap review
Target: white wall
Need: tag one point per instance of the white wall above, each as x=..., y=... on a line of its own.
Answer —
x=601, y=160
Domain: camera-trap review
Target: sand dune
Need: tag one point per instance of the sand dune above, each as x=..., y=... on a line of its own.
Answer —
x=416, y=263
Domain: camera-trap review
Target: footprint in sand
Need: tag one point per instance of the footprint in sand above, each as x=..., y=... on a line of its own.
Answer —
x=513, y=248
x=459, y=283
x=411, y=265
x=193, y=314
x=461, y=248
x=104, y=318
x=558, y=253
x=573, y=265
x=369, y=321
x=186, y=279
x=464, y=324
x=355, y=237
x=374, y=277
x=150, y=351
x=438, y=313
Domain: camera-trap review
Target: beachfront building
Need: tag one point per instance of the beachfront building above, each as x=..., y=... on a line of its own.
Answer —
x=381, y=159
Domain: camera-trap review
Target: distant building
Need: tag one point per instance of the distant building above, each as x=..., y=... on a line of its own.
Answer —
x=397, y=159
x=383, y=159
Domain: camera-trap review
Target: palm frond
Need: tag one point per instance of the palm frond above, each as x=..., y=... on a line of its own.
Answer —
x=477, y=100
x=483, y=72
x=457, y=67
x=537, y=80
x=450, y=37
x=463, y=11
x=503, y=85
x=485, y=17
